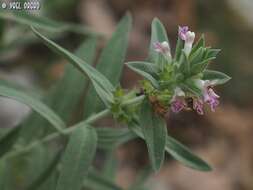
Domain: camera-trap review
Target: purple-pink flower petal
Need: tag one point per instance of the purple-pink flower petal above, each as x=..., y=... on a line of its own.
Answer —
x=178, y=105
x=211, y=98
x=162, y=47
x=182, y=32
x=198, y=105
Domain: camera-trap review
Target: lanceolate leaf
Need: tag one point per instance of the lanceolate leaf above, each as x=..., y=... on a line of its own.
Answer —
x=216, y=77
x=143, y=73
x=184, y=155
x=158, y=34
x=198, y=44
x=70, y=88
x=36, y=105
x=110, y=63
x=72, y=84
x=109, y=138
x=154, y=131
x=94, y=75
x=77, y=159
x=199, y=67
x=179, y=47
x=45, y=173
x=147, y=67
x=197, y=56
x=178, y=152
x=23, y=17
x=211, y=53
x=8, y=140
x=3, y=174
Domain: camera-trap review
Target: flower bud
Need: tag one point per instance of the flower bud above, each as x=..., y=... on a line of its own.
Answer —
x=162, y=48
x=189, y=39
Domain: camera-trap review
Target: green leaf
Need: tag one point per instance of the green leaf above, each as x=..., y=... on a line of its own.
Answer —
x=184, y=65
x=109, y=138
x=189, y=85
x=212, y=53
x=197, y=56
x=45, y=173
x=110, y=165
x=154, y=131
x=215, y=77
x=110, y=63
x=8, y=140
x=3, y=175
x=36, y=105
x=140, y=71
x=147, y=67
x=178, y=151
x=179, y=48
x=77, y=159
x=199, y=67
x=200, y=43
x=184, y=155
x=95, y=76
x=158, y=34
x=74, y=82
x=29, y=19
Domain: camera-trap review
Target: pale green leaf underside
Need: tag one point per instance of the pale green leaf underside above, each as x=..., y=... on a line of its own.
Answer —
x=110, y=63
x=158, y=34
x=36, y=105
x=178, y=152
x=154, y=132
x=95, y=76
x=29, y=19
x=77, y=159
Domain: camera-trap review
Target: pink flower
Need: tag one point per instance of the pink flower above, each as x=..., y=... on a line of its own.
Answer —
x=211, y=98
x=182, y=32
x=162, y=48
x=198, y=105
x=186, y=36
x=178, y=103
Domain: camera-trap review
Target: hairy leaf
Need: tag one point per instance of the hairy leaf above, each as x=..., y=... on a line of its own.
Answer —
x=110, y=63
x=178, y=151
x=95, y=76
x=216, y=77
x=140, y=71
x=29, y=19
x=154, y=131
x=36, y=105
x=77, y=159
x=158, y=34
x=8, y=140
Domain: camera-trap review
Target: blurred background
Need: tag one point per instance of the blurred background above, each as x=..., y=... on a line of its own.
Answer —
x=223, y=138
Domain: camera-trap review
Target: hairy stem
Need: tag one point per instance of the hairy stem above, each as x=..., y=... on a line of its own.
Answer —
x=68, y=130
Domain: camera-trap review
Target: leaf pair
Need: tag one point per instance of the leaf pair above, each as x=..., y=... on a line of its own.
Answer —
x=149, y=70
x=174, y=148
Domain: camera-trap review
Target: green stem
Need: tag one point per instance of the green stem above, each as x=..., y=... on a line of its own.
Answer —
x=138, y=99
x=68, y=130
x=55, y=135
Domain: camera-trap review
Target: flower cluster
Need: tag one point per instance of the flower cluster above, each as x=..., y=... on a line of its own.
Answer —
x=178, y=101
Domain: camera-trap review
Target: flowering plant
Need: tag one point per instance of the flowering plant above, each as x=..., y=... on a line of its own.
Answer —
x=175, y=83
